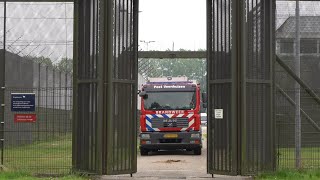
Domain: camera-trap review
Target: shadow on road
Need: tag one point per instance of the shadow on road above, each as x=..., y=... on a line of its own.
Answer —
x=169, y=153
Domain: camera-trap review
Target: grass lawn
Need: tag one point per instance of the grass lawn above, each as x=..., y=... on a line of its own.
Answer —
x=310, y=158
x=44, y=157
x=292, y=175
x=27, y=176
x=286, y=165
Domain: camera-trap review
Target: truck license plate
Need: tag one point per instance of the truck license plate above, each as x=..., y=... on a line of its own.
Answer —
x=170, y=123
x=171, y=136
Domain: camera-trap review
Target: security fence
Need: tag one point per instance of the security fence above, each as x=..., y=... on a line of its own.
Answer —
x=42, y=146
x=297, y=102
x=264, y=97
x=36, y=86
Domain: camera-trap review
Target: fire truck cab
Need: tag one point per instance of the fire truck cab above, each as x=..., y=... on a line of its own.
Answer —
x=170, y=115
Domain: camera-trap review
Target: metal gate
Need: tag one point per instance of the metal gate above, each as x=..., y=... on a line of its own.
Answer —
x=258, y=54
x=222, y=84
x=104, y=133
x=240, y=56
x=121, y=78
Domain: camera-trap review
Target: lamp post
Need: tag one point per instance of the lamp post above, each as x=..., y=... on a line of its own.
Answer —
x=147, y=43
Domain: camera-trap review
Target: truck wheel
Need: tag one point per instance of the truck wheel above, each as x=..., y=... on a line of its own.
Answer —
x=197, y=151
x=144, y=152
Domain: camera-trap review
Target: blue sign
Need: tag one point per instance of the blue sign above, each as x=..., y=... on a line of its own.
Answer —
x=23, y=102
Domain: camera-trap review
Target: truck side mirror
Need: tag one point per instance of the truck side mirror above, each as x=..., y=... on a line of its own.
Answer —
x=204, y=105
x=204, y=98
x=143, y=94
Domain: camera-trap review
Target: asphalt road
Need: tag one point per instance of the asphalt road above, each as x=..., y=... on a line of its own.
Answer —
x=172, y=165
x=175, y=160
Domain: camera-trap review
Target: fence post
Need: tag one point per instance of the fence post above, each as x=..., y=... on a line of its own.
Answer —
x=297, y=90
x=39, y=98
x=53, y=100
x=2, y=84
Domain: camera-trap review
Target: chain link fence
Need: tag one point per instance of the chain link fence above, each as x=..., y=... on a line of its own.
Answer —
x=38, y=58
x=295, y=94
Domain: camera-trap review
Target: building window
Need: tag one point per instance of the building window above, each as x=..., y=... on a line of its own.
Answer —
x=286, y=46
x=308, y=46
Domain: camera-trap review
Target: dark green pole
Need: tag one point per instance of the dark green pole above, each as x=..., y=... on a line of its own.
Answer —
x=2, y=82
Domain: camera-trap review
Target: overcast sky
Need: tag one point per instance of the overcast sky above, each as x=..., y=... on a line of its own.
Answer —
x=46, y=29
x=166, y=21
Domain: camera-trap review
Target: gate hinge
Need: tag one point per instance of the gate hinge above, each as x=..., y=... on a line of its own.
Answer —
x=1, y=139
x=3, y=88
x=3, y=105
x=2, y=122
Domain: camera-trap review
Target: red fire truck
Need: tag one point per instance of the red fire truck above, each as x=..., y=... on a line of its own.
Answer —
x=170, y=115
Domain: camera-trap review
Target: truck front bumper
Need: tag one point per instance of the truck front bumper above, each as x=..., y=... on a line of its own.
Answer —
x=170, y=140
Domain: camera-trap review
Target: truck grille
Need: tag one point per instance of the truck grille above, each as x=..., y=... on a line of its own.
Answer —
x=171, y=122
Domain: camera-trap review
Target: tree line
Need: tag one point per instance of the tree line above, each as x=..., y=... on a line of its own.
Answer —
x=64, y=65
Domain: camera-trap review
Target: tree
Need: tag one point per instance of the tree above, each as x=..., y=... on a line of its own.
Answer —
x=41, y=60
x=66, y=65
x=194, y=69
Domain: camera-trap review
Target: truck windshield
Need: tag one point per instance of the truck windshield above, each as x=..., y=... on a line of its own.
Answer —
x=170, y=100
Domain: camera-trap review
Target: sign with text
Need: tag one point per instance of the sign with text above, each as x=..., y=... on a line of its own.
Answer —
x=22, y=102
x=218, y=113
x=25, y=118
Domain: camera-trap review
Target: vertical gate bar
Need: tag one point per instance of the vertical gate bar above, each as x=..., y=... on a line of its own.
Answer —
x=229, y=53
x=125, y=71
x=256, y=50
x=117, y=61
x=216, y=62
x=135, y=24
x=252, y=58
x=93, y=86
x=225, y=165
x=122, y=89
x=219, y=6
x=234, y=87
x=210, y=165
x=270, y=56
x=127, y=56
x=271, y=8
x=109, y=76
x=86, y=89
x=243, y=84
x=222, y=62
x=2, y=82
x=97, y=157
x=113, y=85
x=75, y=111
x=100, y=127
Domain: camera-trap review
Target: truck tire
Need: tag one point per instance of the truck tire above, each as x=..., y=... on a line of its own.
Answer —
x=197, y=151
x=144, y=152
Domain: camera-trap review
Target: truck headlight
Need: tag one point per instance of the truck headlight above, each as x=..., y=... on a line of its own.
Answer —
x=145, y=136
x=195, y=135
